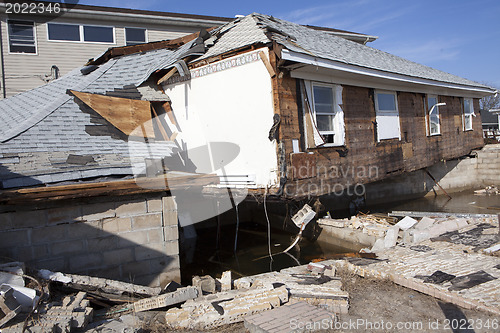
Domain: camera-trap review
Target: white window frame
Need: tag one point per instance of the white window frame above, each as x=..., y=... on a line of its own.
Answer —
x=34, y=37
x=468, y=114
x=146, y=40
x=381, y=113
x=338, y=122
x=81, y=31
x=428, y=115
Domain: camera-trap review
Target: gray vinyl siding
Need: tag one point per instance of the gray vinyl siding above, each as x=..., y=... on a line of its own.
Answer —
x=26, y=71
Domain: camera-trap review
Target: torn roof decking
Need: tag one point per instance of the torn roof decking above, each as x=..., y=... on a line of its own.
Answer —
x=48, y=120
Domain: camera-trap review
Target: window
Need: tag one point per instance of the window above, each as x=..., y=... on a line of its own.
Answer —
x=98, y=34
x=58, y=31
x=80, y=33
x=327, y=112
x=468, y=113
x=134, y=36
x=21, y=37
x=432, y=116
x=387, y=115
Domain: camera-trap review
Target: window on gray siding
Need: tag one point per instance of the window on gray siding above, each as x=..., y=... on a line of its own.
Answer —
x=134, y=36
x=98, y=34
x=21, y=36
x=69, y=32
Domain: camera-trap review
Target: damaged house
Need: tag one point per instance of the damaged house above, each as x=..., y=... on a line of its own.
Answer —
x=90, y=163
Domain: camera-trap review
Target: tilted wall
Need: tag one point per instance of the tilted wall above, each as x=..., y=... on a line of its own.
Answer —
x=131, y=239
x=362, y=159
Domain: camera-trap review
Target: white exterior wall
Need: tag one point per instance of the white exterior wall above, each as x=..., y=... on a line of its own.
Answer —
x=234, y=105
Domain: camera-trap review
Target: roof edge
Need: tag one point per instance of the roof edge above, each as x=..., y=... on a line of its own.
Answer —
x=345, y=67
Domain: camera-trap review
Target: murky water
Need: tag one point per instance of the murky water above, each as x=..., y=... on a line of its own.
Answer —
x=203, y=256
x=460, y=202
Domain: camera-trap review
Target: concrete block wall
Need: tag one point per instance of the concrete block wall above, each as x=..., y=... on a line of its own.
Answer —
x=453, y=175
x=489, y=165
x=133, y=240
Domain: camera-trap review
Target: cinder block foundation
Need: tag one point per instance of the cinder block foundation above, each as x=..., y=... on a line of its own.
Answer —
x=131, y=239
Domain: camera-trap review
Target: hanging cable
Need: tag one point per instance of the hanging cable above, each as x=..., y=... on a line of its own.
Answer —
x=237, y=227
x=268, y=227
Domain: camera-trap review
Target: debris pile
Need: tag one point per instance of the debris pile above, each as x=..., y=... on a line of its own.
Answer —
x=315, y=284
x=489, y=190
x=68, y=302
x=388, y=231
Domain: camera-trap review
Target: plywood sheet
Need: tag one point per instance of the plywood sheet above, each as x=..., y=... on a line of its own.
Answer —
x=132, y=117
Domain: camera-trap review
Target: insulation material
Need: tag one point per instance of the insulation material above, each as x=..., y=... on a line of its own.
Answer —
x=132, y=117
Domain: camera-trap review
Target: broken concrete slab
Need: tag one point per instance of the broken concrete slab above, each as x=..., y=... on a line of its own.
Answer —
x=12, y=273
x=230, y=307
x=424, y=223
x=206, y=284
x=391, y=237
x=406, y=223
x=161, y=301
x=296, y=317
x=378, y=246
x=73, y=313
x=94, y=284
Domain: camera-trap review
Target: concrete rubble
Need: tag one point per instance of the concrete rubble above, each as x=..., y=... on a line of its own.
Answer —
x=454, y=259
x=207, y=304
x=314, y=284
x=386, y=233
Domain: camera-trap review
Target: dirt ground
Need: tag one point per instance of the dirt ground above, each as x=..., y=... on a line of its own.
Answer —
x=382, y=306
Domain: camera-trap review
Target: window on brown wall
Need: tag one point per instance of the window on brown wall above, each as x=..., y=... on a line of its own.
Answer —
x=468, y=113
x=432, y=116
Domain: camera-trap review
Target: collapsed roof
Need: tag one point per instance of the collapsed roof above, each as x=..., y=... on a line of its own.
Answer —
x=49, y=125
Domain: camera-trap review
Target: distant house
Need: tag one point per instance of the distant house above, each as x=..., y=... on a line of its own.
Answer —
x=260, y=104
x=491, y=119
x=39, y=48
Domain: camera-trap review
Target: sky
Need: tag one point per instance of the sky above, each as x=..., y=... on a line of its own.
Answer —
x=461, y=37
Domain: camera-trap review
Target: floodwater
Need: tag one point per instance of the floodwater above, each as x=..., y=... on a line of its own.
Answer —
x=202, y=256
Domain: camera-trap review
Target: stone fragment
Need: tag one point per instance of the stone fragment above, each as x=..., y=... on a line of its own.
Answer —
x=315, y=267
x=225, y=281
x=425, y=223
x=378, y=246
x=420, y=236
x=242, y=283
x=406, y=223
x=205, y=283
x=391, y=237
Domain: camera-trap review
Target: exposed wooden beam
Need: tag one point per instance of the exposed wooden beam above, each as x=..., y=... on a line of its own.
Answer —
x=266, y=62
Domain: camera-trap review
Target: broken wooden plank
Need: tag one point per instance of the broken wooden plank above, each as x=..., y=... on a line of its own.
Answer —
x=266, y=62
x=125, y=114
x=160, y=125
x=120, y=187
x=167, y=76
